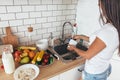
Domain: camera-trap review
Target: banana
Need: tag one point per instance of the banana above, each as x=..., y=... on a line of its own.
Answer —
x=26, y=47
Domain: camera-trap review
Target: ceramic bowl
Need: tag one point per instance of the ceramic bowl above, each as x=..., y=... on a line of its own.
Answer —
x=42, y=44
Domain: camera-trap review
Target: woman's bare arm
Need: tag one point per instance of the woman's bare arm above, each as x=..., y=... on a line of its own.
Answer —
x=97, y=46
x=84, y=37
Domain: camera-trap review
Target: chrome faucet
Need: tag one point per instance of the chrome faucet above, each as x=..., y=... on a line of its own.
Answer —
x=63, y=37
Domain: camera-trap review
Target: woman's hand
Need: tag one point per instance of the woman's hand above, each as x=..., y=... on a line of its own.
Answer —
x=76, y=37
x=71, y=47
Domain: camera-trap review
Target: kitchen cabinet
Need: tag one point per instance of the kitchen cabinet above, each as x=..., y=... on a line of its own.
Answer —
x=72, y=74
x=55, y=78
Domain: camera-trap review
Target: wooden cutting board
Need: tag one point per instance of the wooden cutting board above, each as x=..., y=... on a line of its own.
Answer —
x=10, y=38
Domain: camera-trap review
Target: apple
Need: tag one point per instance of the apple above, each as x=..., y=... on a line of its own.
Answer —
x=17, y=54
x=17, y=59
x=45, y=60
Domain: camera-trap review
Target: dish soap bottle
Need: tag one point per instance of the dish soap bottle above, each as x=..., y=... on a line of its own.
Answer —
x=8, y=61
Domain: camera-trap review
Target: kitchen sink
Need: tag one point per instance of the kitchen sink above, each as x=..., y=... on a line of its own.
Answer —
x=64, y=54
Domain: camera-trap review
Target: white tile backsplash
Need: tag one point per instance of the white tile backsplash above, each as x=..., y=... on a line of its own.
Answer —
x=47, y=13
x=46, y=1
x=44, y=16
x=10, y=16
x=6, y=2
x=41, y=20
x=28, y=8
x=15, y=22
x=13, y=9
x=20, y=2
x=57, y=1
x=22, y=15
x=3, y=23
x=35, y=14
x=29, y=21
x=34, y=2
x=52, y=7
x=3, y=9
x=41, y=8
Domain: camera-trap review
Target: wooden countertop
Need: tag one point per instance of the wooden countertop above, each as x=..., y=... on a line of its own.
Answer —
x=49, y=71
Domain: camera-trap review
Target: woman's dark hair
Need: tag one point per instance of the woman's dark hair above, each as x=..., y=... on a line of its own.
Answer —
x=111, y=10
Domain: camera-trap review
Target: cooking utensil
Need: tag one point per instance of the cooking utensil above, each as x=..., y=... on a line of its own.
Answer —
x=10, y=38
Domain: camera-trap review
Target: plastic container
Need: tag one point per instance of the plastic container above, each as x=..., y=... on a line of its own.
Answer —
x=8, y=61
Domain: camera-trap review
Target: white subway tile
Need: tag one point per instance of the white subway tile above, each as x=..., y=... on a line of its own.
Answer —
x=36, y=37
x=2, y=9
x=70, y=17
x=16, y=22
x=51, y=19
x=41, y=20
x=57, y=13
x=46, y=25
x=22, y=28
x=35, y=14
x=45, y=36
x=71, y=6
x=21, y=15
x=13, y=9
x=36, y=26
x=7, y=16
x=46, y=1
x=29, y=21
x=57, y=1
x=67, y=12
x=47, y=13
x=67, y=1
x=62, y=7
x=6, y=2
x=60, y=18
x=20, y=2
x=55, y=24
x=41, y=31
x=41, y=8
x=34, y=2
x=74, y=1
x=51, y=29
x=20, y=34
x=4, y=23
x=28, y=8
x=52, y=7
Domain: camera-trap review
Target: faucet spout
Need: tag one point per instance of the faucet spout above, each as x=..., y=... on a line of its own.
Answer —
x=63, y=37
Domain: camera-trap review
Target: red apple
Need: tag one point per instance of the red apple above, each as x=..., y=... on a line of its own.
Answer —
x=17, y=53
x=45, y=60
x=17, y=59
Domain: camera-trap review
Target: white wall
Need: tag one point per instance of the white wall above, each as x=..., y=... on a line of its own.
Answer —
x=44, y=16
x=87, y=16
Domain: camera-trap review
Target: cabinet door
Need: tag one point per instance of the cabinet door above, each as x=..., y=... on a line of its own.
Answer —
x=115, y=75
x=72, y=74
x=55, y=78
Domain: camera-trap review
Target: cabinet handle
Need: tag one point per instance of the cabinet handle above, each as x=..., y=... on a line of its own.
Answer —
x=80, y=70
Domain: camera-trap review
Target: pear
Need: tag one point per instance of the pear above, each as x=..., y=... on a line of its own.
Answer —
x=25, y=59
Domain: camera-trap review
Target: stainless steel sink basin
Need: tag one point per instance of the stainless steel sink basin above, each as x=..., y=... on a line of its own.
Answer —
x=66, y=55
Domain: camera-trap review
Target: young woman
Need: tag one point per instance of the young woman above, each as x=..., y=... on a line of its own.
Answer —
x=103, y=42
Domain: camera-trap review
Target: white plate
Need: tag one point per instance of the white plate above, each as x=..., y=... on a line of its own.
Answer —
x=28, y=68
